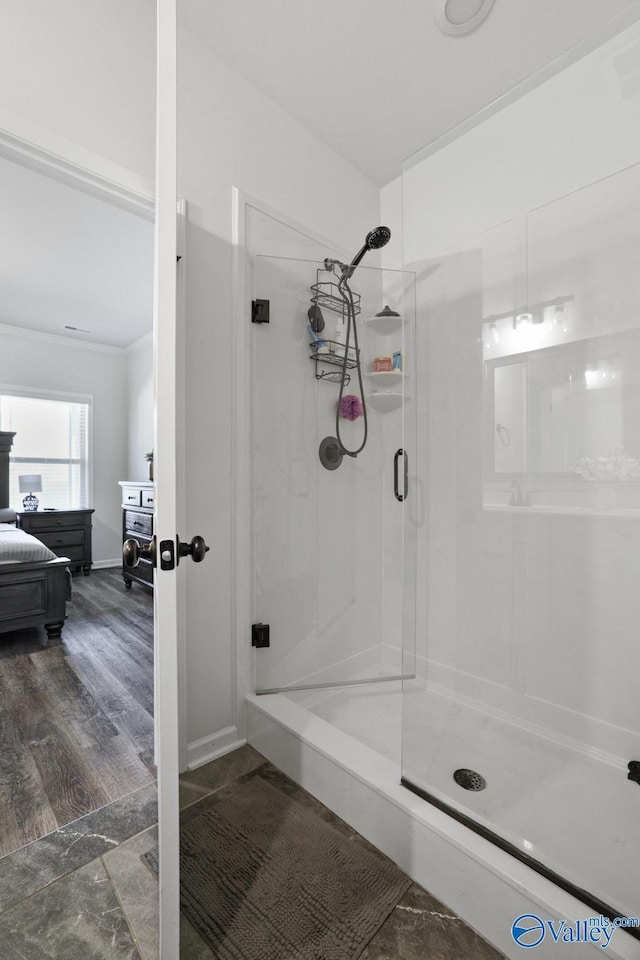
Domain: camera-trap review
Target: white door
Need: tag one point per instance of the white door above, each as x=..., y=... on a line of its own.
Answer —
x=168, y=466
x=166, y=519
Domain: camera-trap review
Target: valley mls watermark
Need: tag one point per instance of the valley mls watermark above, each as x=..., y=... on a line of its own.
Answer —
x=530, y=930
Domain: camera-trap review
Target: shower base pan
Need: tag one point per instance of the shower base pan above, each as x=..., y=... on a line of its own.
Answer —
x=484, y=884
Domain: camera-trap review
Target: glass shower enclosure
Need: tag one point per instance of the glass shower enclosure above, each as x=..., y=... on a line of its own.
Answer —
x=331, y=550
x=522, y=720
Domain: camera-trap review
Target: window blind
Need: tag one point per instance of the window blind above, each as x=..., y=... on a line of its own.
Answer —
x=52, y=439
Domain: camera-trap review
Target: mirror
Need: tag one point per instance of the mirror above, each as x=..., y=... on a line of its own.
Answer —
x=567, y=412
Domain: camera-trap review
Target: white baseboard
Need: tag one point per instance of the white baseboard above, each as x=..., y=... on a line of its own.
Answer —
x=106, y=564
x=213, y=746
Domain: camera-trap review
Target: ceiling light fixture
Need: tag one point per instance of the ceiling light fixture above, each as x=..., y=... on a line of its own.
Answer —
x=457, y=17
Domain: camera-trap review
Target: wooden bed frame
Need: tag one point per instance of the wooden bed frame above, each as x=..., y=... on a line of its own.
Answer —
x=34, y=594
x=31, y=594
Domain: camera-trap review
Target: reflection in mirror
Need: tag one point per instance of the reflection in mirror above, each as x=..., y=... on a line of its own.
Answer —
x=565, y=414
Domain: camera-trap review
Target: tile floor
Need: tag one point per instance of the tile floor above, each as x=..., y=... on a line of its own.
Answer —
x=84, y=891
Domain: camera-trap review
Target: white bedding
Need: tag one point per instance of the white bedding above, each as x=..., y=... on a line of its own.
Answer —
x=16, y=546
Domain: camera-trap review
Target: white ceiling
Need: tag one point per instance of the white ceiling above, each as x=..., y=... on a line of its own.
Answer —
x=70, y=258
x=377, y=80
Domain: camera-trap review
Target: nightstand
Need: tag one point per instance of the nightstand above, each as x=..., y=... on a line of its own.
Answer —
x=66, y=532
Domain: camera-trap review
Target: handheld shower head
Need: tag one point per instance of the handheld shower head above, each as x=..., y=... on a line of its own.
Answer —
x=376, y=238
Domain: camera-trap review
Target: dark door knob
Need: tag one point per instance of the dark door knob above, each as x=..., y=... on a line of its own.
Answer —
x=196, y=549
x=133, y=552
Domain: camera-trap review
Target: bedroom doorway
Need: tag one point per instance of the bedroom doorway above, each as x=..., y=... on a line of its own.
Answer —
x=81, y=751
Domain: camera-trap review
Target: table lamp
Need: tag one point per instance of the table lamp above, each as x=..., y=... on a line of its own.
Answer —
x=30, y=482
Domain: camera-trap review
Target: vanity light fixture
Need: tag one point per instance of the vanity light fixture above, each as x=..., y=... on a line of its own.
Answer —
x=459, y=17
x=533, y=313
x=490, y=335
x=601, y=374
x=520, y=318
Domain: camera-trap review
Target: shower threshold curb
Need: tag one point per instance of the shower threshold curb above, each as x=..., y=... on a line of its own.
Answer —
x=588, y=900
x=486, y=886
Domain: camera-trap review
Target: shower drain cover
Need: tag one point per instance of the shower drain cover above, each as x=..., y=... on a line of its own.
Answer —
x=469, y=779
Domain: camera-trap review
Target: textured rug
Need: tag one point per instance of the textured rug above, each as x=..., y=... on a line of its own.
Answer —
x=263, y=878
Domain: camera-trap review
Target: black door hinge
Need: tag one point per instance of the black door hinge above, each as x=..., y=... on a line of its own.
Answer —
x=259, y=311
x=260, y=635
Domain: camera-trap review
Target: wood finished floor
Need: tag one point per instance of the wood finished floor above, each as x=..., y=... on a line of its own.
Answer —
x=76, y=715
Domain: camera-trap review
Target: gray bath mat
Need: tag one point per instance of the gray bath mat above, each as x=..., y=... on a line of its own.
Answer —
x=263, y=878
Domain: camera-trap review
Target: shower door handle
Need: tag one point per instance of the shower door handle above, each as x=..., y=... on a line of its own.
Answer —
x=405, y=477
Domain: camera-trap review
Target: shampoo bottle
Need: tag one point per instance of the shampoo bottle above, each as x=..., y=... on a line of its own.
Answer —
x=340, y=337
x=318, y=343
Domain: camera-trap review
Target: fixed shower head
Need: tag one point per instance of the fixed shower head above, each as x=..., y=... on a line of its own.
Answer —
x=376, y=238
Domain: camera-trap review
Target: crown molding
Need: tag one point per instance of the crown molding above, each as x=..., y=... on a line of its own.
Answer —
x=143, y=342
x=26, y=333
x=603, y=34
x=42, y=150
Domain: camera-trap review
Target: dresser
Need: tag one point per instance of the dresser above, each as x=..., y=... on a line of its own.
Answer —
x=137, y=523
x=66, y=532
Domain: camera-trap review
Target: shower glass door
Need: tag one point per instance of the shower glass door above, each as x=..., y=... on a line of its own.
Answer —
x=524, y=716
x=328, y=544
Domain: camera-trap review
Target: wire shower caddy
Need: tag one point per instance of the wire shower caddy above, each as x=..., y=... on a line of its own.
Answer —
x=326, y=294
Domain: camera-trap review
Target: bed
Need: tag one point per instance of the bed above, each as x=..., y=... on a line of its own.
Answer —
x=34, y=583
x=34, y=594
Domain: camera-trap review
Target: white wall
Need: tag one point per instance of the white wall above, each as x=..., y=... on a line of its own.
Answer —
x=222, y=119
x=85, y=70
x=139, y=359
x=57, y=363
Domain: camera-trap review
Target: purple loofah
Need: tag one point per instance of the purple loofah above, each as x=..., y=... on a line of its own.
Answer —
x=351, y=407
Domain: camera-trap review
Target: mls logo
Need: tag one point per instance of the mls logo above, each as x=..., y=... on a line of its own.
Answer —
x=528, y=930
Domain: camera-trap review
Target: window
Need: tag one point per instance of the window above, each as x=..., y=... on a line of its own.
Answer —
x=52, y=439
